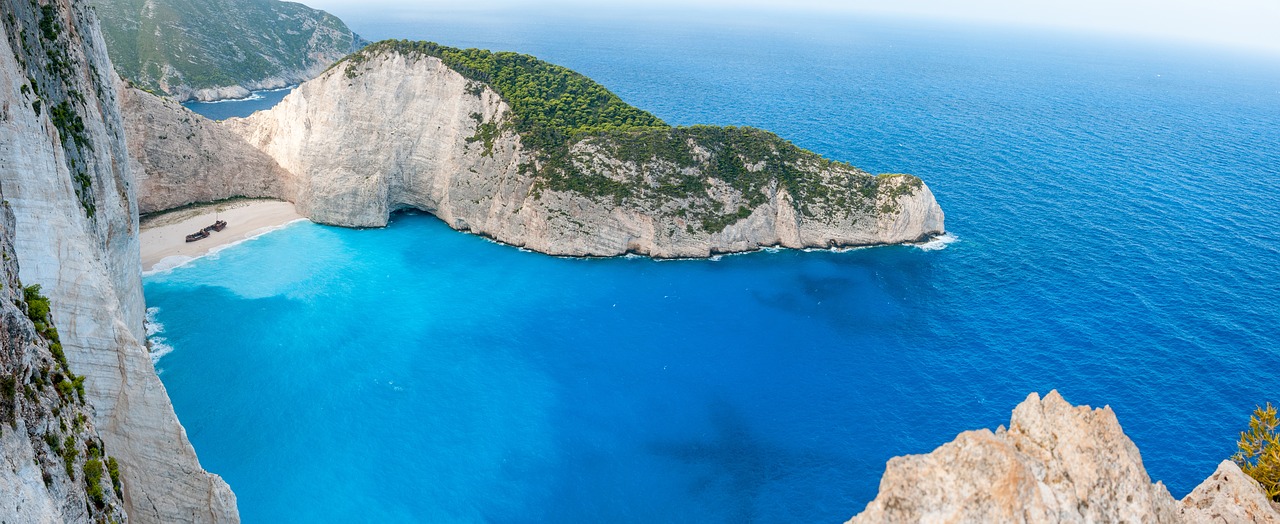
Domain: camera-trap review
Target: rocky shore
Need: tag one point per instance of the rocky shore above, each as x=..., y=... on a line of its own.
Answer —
x=1054, y=463
x=350, y=149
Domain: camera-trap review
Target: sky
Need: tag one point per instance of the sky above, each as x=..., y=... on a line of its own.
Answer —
x=1237, y=23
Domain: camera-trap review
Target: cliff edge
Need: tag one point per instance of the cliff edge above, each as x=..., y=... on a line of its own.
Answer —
x=534, y=155
x=1054, y=463
x=65, y=173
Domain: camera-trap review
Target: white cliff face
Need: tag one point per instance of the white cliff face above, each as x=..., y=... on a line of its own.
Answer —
x=44, y=433
x=82, y=247
x=1055, y=463
x=397, y=131
x=180, y=157
x=392, y=137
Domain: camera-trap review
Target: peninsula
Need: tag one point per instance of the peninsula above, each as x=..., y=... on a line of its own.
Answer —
x=527, y=153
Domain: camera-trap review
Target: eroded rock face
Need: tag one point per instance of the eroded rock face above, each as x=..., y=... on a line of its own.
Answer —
x=404, y=132
x=64, y=170
x=1055, y=463
x=1229, y=496
x=44, y=432
x=182, y=157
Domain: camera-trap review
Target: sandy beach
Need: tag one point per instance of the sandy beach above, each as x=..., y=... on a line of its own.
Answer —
x=163, y=237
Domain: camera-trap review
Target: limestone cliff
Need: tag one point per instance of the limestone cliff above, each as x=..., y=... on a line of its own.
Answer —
x=391, y=129
x=1055, y=463
x=54, y=467
x=182, y=157
x=64, y=170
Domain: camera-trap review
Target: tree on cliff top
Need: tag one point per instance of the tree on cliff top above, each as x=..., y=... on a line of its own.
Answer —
x=1259, y=455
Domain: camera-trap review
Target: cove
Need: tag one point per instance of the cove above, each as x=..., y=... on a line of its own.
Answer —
x=1115, y=210
x=439, y=376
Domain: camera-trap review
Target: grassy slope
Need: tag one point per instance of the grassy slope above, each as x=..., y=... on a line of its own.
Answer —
x=555, y=109
x=216, y=43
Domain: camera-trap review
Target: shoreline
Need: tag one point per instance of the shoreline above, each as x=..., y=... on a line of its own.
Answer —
x=162, y=237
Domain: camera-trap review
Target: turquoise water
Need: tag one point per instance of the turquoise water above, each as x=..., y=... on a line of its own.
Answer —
x=1115, y=208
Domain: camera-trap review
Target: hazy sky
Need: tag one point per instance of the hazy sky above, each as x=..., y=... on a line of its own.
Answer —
x=1247, y=23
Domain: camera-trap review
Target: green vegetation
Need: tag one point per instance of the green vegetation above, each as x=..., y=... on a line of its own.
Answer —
x=69, y=454
x=1259, y=455
x=37, y=306
x=564, y=117
x=93, y=476
x=164, y=44
x=38, y=311
x=70, y=386
x=46, y=52
x=113, y=469
x=8, y=399
x=550, y=104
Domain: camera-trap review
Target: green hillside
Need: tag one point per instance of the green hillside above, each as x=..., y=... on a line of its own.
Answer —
x=564, y=117
x=177, y=46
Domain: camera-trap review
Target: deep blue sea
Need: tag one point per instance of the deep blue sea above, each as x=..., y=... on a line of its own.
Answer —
x=1115, y=205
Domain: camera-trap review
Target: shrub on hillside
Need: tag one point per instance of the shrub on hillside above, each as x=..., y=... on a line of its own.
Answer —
x=1259, y=455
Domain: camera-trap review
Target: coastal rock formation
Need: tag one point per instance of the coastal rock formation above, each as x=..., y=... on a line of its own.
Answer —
x=390, y=129
x=53, y=466
x=1229, y=496
x=182, y=157
x=220, y=49
x=1055, y=463
x=64, y=171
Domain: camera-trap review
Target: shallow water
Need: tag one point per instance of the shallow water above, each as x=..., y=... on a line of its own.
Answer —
x=1115, y=210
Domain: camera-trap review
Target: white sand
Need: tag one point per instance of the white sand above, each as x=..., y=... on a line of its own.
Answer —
x=163, y=237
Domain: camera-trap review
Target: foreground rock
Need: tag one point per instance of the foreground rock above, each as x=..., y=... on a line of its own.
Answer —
x=53, y=463
x=1229, y=496
x=1055, y=463
x=182, y=157
x=397, y=130
x=65, y=173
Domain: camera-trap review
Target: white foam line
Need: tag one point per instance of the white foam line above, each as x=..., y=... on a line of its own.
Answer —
x=159, y=349
x=250, y=98
x=152, y=326
x=171, y=263
x=253, y=95
x=939, y=242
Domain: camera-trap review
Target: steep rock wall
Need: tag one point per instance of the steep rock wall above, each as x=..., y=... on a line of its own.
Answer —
x=1054, y=463
x=406, y=131
x=64, y=169
x=53, y=465
x=182, y=157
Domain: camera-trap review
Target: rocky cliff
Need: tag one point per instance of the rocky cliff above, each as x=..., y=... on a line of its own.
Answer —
x=65, y=173
x=216, y=49
x=182, y=157
x=396, y=127
x=54, y=466
x=1054, y=463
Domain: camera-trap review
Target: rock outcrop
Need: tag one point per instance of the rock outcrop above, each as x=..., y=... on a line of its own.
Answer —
x=182, y=157
x=1055, y=463
x=53, y=465
x=396, y=130
x=1229, y=496
x=65, y=172
x=220, y=49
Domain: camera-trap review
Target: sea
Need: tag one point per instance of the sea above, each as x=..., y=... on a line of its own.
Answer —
x=1113, y=234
